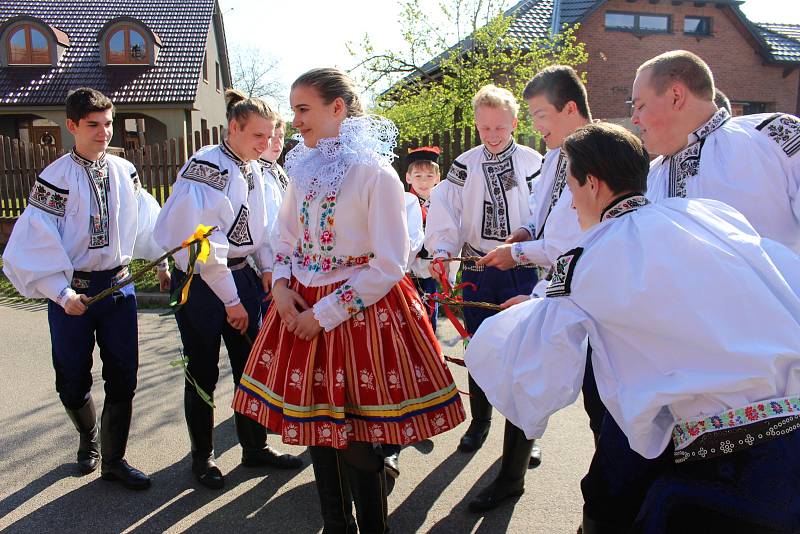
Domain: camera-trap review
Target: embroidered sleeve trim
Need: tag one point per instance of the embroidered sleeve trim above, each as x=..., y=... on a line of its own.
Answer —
x=457, y=173
x=348, y=299
x=784, y=130
x=49, y=198
x=561, y=281
x=207, y=173
x=282, y=259
x=519, y=255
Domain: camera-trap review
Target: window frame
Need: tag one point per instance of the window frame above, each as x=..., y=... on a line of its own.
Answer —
x=636, y=26
x=698, y=17
x=205, y=66
x=27, y=27
x=219, y=77
x=126, y=27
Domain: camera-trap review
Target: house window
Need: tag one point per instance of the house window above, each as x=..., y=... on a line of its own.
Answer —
x=28, y=46
x=697, y=25
x=748, y=108
x=219, y=78
x=125, y=45
x=638, y=22
x=205, y=67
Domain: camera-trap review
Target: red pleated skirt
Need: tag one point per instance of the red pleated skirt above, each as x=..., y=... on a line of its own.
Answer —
x=378, y=377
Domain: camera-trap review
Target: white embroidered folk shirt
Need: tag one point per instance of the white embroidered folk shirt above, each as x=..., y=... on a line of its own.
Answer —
x=217, y=188
x=666, y=348
x=553, y=225
x=751, y=163
x=82, y=215
x=484, y=198
x=344, y=218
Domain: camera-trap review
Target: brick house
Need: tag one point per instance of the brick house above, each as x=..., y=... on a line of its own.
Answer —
x=756, y=65
x=164, y=64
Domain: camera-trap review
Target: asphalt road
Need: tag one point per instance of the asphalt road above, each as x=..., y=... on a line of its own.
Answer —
x=41, y=492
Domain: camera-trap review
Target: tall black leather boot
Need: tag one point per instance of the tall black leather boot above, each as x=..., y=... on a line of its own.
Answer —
x=367, y=477
x=335, y=499
x=513, y=466
x=200, y=422
x=85, y=421
x=114, y=427
x=481, y=410
x=255, y=451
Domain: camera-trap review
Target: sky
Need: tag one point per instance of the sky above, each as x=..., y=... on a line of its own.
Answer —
x=301, y=35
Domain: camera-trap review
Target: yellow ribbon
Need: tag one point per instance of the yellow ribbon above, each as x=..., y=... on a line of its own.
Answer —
x=200, y=235
x=205, y=249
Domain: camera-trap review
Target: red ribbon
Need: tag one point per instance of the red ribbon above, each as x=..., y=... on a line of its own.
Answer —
x=450, y=294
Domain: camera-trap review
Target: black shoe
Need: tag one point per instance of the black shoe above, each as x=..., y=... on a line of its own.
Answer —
x=120, y=471
x=495, y=493
x=207, y=473
x=114, y=427
x=536, y=457
x=85, y=421
x=475, y=435
x=270, y=457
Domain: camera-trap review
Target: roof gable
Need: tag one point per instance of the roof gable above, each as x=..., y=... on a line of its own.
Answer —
x=182, y=27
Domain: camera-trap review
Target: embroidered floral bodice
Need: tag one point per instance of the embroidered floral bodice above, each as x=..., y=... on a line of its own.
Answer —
x=343, y=218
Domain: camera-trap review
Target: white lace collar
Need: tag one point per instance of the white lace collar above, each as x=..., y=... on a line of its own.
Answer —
x=367, y=140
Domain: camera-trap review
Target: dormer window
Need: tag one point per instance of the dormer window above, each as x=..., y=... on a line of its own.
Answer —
x=125, y=45
x=27, y=46
x=28, y=41
x=126, y=41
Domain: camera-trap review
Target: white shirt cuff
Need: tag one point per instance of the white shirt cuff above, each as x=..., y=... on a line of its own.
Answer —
x=338, y=307
x=64, y=296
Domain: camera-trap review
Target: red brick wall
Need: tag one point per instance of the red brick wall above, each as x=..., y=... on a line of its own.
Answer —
x=738, y=69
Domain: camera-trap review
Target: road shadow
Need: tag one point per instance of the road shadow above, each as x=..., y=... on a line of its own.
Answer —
x=460, y=519
x=174, y=496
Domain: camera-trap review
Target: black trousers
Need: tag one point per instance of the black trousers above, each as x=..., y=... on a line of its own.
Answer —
x=110, y=322
x=202, y=322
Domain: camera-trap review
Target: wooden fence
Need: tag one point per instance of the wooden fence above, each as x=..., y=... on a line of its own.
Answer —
x=158, y=164
x=453, y=143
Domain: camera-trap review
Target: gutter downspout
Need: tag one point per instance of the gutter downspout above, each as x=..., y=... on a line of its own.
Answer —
x=555, y=27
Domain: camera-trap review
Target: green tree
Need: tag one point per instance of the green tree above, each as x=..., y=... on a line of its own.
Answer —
x=424, y=101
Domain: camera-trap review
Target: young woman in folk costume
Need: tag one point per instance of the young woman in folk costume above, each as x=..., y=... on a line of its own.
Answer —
x=347, y=359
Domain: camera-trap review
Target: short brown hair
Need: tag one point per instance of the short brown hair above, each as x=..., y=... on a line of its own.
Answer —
x=611, y=154
x=423, y=163
x=331, y=84
x=85, y=100
x=559, y=84
x=680, y=66
x=239, y=107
